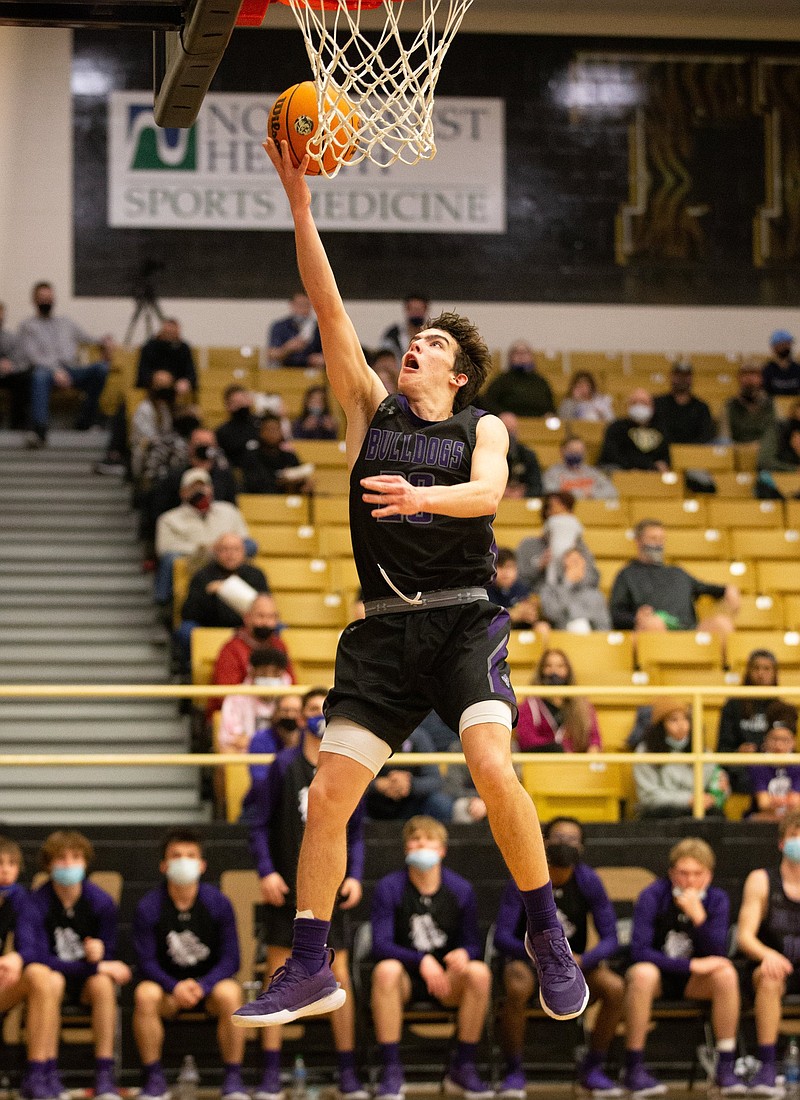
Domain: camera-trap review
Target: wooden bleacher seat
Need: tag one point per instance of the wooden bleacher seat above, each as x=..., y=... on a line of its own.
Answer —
x=608, y=569
x=740, y=573
x=331, y=480
x=335, y=542
x=536, y=430
x=788, y=484
x=654, y=361
x=736, y=484
x=603, y=513
x=784, y=644
x=680, y=653
x=596, y=362
x=756, y=612
x=324, y=453
x=314, y=609
x=590, y=791
x=774, y=576
x=602, y=657
x=791, y=510
x=771, y=543
x=745, y=457
x=181, y=579
x=296, y=574
x=331, y=510
x=647, y=483
x=344, y=577
x=237, y=364
x=696, y=542
x=615, y=723
x=692, y=456
x=610, y=542
x=744, y=513
x=286, y=539
x=274, y=508
x=524, y=650
x=592, y=432
x=313, y=651
x=526, y=512
x=243, y=891
x=705, y=362
x=791, y=610
x=206, y=643
x=506, y=534
x=673, y=512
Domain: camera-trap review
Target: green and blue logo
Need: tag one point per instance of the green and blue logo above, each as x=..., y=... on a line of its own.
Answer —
x=153, y=149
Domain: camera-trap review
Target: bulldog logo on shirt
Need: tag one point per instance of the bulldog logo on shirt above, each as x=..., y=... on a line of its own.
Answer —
x=426, y=935
x=678, y=945
x=185, y=949
x=68, y=945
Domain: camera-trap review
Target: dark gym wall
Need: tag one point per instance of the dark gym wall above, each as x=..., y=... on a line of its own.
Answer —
x=636, y=174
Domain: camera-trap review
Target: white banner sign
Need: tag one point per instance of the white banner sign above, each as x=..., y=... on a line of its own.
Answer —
x=217, y=176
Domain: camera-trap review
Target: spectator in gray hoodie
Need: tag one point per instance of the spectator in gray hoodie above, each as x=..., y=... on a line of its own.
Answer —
x=574, y=602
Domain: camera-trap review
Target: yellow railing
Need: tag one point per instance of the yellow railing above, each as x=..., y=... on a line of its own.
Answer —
x=640, y=694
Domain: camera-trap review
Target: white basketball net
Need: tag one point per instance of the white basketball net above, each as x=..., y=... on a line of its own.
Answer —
x=389, y=84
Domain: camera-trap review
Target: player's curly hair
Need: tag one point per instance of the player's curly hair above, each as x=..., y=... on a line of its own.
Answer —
x=473, y=357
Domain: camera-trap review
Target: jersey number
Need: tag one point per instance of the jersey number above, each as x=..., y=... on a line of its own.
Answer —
x=418, y=479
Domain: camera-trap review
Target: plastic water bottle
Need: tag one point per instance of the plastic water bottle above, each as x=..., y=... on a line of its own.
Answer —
x=299, y=1080
x=791, y=1071
x=188, y=1080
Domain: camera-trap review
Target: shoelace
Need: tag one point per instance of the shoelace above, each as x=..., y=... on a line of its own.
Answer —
x=558, y=958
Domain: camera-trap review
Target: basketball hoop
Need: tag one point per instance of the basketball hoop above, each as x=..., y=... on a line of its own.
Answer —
x=389, y=83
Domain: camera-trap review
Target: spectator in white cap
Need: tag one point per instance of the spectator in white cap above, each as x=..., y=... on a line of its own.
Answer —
x=191, y=529
x=781, y=375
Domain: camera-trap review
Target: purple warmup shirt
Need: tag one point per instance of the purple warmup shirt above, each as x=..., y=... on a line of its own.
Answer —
x=655, y=913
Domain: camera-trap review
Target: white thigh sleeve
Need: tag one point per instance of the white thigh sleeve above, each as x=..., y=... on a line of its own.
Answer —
x=348, y=738
x=491, y=710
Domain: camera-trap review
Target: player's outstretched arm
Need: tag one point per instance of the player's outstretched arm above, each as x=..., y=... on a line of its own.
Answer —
x=357, y=387
x=479, y=496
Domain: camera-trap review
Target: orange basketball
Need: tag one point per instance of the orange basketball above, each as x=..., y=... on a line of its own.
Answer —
x=294, y=119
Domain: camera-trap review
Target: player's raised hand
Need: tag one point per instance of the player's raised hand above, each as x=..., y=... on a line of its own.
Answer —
x=292, y=177
x=394, y=495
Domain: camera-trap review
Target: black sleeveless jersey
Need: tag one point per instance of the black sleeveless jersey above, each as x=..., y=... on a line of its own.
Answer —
x=780, y=928
x=423, y=552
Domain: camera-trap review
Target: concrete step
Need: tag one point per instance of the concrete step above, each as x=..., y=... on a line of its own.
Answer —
x=80, y=616
x=84, y=605
x=87, y=744
x=92, y=779
x=75, y=582
x=110, y=541
x=82, y=795
x=109, y=638
x=27, y=672
x=96, y=555
x=29, y=466
x=96, y=492
x=60, y=441
x=111, y=523
x=45, y=712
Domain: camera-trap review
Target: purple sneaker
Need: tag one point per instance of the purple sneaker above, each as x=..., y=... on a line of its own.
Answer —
x=597, y=1084
x=464, y=1081
x=35, y=1086
x=55, y=1084
x=563, y=992
x=105, y=1087
x=513, y=1086
x=233, y=1086
x=392, y=1085
x=763, y=1082
x=350, y=1088
x=270, y=1087
x=291, y=994
x=640, y=1083
x=727, y=1082
x=154, y=1086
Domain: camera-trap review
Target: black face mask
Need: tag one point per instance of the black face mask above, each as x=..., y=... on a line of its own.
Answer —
x=45, y=308
x=262, y=633
x=417, y=319
x=288, y=725
x=185, y=425
x=164, y=393
x=204, y=452
x=562, y=855
x=196, y=497
x=554, y=679
x=240, y=414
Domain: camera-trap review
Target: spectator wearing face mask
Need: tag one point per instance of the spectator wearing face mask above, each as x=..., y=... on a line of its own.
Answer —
x=204, y=454
x=556, y=724
x=168, y=351
x=191, y=529
x=635, y=441
x=574, y=475
x=743, y=723
x=276, y=833
x=151, y=425
x=768, y=933
x=275, y=720
x=781, y=375
x=315, y=420
x=187, y=950
x=239, y=433
x=667, y=790
x=539, y=557
x=294, y=341
x=649, y=595
x=520, y=389
x=272, y=467
x=259, y=629
x=776, y=787
x=578, y=893
x=508, y=591
x=749, y=414
x=574, y=602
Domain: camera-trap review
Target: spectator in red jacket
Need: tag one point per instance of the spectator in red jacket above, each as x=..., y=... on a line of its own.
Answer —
x=259, y=630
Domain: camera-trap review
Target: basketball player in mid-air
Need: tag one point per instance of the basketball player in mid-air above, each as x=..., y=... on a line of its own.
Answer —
x=427, y=473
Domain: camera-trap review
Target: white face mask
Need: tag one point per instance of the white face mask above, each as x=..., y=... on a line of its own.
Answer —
x=268, y=681
x=639, y=412
x=184, y=870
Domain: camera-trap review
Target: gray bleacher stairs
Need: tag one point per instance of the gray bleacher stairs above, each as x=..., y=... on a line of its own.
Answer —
x=75, y=607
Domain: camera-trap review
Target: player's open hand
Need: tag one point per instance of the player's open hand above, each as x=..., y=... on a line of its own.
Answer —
x=292, y=177
x=393, y=495
x=274, y=889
